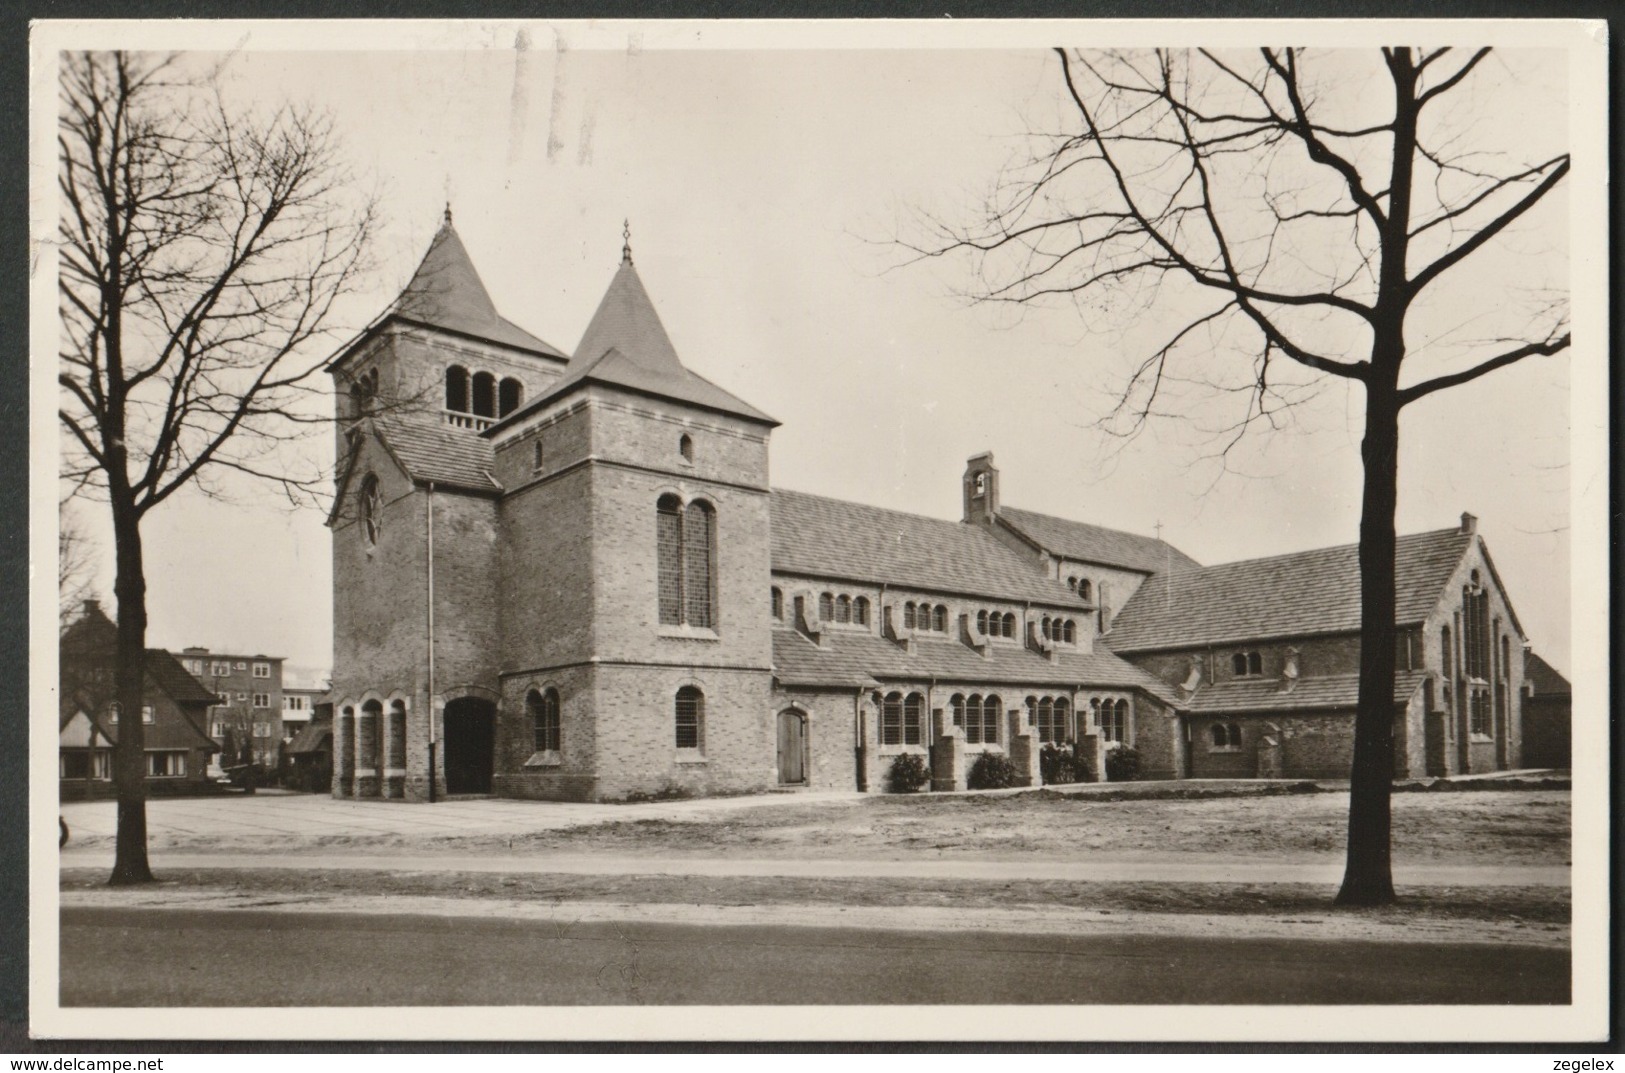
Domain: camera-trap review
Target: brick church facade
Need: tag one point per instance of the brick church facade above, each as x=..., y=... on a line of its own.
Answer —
x=568, y=577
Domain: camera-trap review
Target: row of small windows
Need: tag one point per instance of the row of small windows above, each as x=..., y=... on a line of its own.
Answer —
x=222, y=668
x=1050, y=717
x=1059, y=629
x=842, y=608
x=1110, y=718
x=481, y=394
x=925, y=617
x=1246, y=664
x=1225, y=735
x=1081, y=586
x=685, y=553
x=902, y=719
x=993, y=624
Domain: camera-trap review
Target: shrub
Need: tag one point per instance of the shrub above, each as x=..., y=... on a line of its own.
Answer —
x=992, y=771
x=1123, y=764
x=1058, y=762
x=907, y=773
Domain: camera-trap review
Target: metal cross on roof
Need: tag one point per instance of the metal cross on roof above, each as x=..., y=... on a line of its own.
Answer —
x=626, y=238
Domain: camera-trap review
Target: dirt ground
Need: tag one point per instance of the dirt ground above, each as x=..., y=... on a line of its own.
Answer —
x=1482, y=828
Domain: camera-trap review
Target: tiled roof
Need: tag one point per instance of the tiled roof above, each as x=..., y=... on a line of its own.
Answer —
x=1285, y=595
x=1545, y=678
x=859, y=658
x=824, y=537
x=166, y=671
x=1095, y=543
x=626, y=345
x=315, y=737
x=1333, y=691
x=440, y=454
x=446, y=292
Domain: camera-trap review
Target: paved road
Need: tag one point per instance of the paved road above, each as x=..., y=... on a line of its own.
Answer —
x=1185, y=868
x=124, y=957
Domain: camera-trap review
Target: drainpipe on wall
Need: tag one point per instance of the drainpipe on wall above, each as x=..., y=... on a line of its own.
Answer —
x=428, y=506
x=862, y=744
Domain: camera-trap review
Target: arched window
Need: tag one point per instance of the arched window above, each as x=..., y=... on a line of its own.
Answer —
x=860, y=611
x=826, y=607
x=1069, y=631
x=485, y=395
x=372, y=508
x=684, y=545
x=1220, y=736
x=509, y=395
x=908, y=615
x=1506, y=657
x=913, y=719
x=690, y=718
x=992, y=708
x=778, y=603
x=685, y=447
x=540, y=453
x=457, y=389
x=699, y=534
x=843, y=609
x=891, y=719
x=1072, y=583
x=1111, y=717
x=1084, y=588
x=1444, y=651
x=1063, y=715
x=543, y=709
x=669, y=552
x=1009, y=625
x=1045, y=718
x=1043, y=627
x=1238, y=665
x=1255, y=665
x=939, y=619
x=956, y=705
x=981, y=622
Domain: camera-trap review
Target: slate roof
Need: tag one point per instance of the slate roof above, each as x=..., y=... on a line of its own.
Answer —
x=94, y=637
x=1545, y=678
x=1096, y=543
x=183, y=688
x=858, y=658
x=439, y=453
x=1331, y=692
x=315, y=737
x=1309, y=592
x=626, y=346
x=823, y=537
x=446, y=292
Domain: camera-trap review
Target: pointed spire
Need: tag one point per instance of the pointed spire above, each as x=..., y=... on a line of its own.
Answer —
x=626, y=321
x=626, y=242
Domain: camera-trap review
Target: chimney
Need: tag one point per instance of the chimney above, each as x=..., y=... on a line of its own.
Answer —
x=93, y=607
x=1469, y=523
x=981, y=489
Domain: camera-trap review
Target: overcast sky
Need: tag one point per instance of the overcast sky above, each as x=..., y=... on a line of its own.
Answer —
x=761, y=188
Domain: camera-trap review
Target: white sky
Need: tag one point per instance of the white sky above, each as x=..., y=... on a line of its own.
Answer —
x=760, y=187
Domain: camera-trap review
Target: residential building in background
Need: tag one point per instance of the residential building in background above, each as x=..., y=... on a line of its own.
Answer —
x=249, y=701
x=174, y=713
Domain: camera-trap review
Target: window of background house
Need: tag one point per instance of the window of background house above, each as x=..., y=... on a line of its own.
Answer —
x=262, y=670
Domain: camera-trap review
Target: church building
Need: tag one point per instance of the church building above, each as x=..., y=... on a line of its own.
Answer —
x=566, y=576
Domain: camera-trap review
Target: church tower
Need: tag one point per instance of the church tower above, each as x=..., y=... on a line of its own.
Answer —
x=415, y=530
x=636, y=650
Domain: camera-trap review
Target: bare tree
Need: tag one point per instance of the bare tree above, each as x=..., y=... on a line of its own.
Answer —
x=1291, y=215
x=76, y=574
x=202, y=248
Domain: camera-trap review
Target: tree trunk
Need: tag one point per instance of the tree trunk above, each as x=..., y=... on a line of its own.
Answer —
x=129, y=677
x=1368, y=876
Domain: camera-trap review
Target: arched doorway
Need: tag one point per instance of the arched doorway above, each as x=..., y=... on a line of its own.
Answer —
x=469, y=733
x=792, y=748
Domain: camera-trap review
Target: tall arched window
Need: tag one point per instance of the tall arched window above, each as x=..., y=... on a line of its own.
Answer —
x=981, y=621
x=777, y=603
x=457, y=389
x=1238, y=664
x=913, y=719
x=1444, y=651
x=956, y=706
x=992, y=708
x=939, y=619
x=669, y=553
x=860, y=611
x=699, y=533
x=684, y=551
x=509, y=394
x=1063, y=714
x=485, y=395
x=539, y=452
x=826, y=607
x=908, y=615
x=843, y=609
x=372, y=508
x=690, y=718
x=685, y=447
x=1008, y=625
x=891, y=719
x=543, y=709
x=1084, y=588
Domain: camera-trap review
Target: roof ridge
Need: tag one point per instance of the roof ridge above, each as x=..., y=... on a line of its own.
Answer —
x=1326, y=548
x=1075, y=521
x=883, y=510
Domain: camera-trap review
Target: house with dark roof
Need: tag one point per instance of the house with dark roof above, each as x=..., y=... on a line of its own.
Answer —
x=570, y=578
x=1265, y=655
x=1548, y=702
x=173, y=714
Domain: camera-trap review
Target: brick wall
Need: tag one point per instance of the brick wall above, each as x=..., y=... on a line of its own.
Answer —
x=832, y=758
